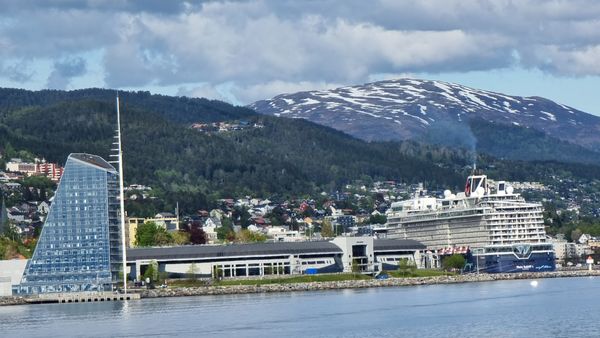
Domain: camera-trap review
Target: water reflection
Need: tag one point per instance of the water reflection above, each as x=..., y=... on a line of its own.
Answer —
x=499, y=309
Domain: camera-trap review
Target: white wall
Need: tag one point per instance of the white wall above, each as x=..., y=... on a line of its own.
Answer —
x=12, y=271
x=5, y=286
x=346, y=243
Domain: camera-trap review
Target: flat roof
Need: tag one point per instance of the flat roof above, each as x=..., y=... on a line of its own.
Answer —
x=232, y=250
x=93, y=160
x=260, y=249
x=397, y=244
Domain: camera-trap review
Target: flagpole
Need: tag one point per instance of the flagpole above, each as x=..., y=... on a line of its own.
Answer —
x=121, y=196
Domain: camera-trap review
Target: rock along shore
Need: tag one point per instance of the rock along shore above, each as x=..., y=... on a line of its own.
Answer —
x=349, y=284
x=357, y=284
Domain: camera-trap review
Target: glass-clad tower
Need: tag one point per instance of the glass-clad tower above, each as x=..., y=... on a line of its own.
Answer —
x=79, y=247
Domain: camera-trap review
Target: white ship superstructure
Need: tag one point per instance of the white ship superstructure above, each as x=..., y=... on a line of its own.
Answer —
x=478, y=217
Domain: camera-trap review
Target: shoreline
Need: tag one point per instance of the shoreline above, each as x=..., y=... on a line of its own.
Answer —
x=358, y=284
x=334, y=285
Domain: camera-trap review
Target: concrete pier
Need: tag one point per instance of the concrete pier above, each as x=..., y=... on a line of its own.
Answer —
x=81, y=297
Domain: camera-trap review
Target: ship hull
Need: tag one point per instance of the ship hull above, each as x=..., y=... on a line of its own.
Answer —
x=537, y=262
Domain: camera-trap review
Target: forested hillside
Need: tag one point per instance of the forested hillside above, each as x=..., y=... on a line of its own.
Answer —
x=176, y=109
x=520, y=143
x=283, y=157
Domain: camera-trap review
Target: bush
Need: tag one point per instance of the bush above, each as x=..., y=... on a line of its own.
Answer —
x=454, y=262
x=406, y=267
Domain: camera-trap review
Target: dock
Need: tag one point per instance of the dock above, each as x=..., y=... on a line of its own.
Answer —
x=81, y=297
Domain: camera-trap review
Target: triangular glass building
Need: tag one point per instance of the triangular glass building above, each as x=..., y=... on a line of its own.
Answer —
x=79, y=247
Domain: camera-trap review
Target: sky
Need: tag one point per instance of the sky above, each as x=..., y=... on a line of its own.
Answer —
x=243, y=51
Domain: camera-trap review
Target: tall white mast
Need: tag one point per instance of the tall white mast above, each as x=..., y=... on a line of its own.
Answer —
x=121, y=195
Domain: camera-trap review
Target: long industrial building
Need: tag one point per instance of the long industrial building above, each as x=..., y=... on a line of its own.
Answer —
x=343, y=254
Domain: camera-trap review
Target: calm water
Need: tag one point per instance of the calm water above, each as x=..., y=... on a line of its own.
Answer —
x=554, y=308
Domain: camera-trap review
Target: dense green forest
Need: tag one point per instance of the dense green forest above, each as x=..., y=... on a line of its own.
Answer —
x=172, y=108
x=287, y=157
x=519, y=143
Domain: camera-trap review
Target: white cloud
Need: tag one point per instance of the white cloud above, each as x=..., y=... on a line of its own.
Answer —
x=583, y=61
x=264, y=47
x=205, y=91
x=64, y=71
x=270, y=89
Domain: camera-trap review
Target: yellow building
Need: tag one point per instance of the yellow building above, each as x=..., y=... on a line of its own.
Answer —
x=168, y=221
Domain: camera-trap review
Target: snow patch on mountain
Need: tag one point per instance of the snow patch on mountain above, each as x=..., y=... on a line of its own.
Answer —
x=409, y=108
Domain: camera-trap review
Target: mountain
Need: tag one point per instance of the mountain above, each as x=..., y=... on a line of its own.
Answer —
x=439, y=112
x=284, y=157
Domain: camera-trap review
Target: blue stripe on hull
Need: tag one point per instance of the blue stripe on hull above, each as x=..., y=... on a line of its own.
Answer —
x=509, y=263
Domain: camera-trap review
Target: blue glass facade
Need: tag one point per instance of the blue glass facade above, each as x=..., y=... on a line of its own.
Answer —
x=79, y=247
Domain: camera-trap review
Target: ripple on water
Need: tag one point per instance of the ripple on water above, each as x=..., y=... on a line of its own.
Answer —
x=554, y=308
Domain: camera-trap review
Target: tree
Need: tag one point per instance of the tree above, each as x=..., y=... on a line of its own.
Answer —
x=9, y=151
x=278, y=216
x=144, y=235
x=197, y=234
x=247, y=236
x=454, y=262
x=378, y=219
x=355, y=267
x=575, y=234
x=193, y=271
x=152, y=272
x=225, y=233
x=181, y=237
x=150, y=234
x=241, y=215
x=162, y=237
x=405, y=267
x=217, y=272
x=326, y=229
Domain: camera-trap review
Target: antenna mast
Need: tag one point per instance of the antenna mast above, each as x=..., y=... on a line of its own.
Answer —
x=121, y=195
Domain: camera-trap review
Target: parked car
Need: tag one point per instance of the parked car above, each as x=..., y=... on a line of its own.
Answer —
x=382, y=276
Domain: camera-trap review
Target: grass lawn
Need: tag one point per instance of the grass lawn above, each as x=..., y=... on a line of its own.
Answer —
x=296, y=279
x=420, y=273
x=186, y=283
x=305, y=278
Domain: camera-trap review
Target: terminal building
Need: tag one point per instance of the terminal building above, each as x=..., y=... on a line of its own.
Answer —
x=79, y=248
x=342, y=254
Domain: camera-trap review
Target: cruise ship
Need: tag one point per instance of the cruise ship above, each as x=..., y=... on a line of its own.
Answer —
x=496, y=228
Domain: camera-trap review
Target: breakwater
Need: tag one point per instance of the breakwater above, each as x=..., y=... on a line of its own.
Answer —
x=315, y=286
x=357, y=284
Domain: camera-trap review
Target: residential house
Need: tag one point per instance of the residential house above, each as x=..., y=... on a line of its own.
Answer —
x=583, y=239
x=43, y=208
x=18, y=165
x=217, y=213
x=210, y=229
x=283, y=234
x=16, y=215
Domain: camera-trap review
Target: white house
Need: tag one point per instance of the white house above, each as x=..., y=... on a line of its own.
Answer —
x=210, y=229
x=43, y=208
x=282, y=234
x=583, y=239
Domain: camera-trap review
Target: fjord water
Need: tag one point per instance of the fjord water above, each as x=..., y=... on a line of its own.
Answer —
x=566, y=307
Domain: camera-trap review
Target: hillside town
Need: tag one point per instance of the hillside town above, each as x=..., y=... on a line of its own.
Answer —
x=358, y=209
x=225, y=126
